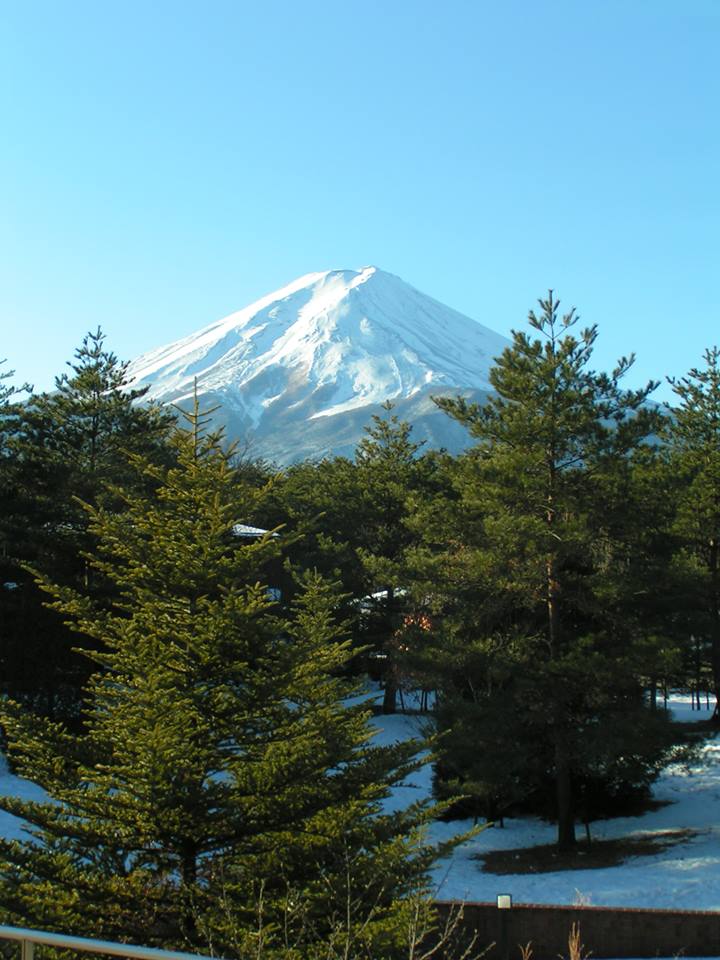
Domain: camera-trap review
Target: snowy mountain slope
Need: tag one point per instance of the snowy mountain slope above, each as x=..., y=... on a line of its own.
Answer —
x=324, y=352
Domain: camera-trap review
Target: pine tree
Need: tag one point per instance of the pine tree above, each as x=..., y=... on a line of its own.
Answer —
x=693, y=433
x=549, y=551
x=222, y=797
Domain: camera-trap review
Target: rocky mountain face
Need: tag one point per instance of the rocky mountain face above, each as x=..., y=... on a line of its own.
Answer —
x=300, y=372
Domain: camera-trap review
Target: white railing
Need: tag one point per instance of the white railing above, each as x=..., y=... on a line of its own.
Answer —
x=28, y=938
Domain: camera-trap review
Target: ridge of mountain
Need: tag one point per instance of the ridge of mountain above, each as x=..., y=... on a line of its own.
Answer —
x=325, y=351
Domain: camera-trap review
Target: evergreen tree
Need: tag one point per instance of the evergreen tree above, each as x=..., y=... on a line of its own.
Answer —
x=354, y=517
x=9, y=600
x=321, y=505
x=9, y=406
x=222, y=795
x=65, y=448
x=388, y=473
x=82, y=431
x=693, y=432
x=549, y=554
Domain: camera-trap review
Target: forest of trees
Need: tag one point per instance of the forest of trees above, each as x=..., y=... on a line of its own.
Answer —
x=212, y=781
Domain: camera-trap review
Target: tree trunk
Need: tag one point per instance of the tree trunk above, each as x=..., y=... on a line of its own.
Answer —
x=390, y=696
x=563, y=777
x=563, y=794
x=715, y=718
x=715, y=627
x=188, y=872
x=391, y=686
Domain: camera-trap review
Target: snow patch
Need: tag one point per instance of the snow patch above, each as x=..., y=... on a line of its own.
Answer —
x=685, y=876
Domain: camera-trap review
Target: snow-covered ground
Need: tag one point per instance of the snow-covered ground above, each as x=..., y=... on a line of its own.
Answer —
x=11, y=786
x=684, y=876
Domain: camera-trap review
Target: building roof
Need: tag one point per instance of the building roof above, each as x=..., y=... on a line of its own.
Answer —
x=251, y=533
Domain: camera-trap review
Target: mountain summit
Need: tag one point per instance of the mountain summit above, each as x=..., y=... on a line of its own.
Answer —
x=325, y=351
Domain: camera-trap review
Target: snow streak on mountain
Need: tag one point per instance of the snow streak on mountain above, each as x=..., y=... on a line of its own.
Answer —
x=325, y=350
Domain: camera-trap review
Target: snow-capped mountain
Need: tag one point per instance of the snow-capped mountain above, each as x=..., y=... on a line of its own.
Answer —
x=300, y=372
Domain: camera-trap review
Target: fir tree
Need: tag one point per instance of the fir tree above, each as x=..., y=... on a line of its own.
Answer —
x=10, y=601
x=321, y=504
x=355, y=519
x=66, y=447
x=222, y=796
x=388, y=472
x=9, y=407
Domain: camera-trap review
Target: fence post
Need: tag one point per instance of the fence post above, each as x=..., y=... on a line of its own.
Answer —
x=504, y=903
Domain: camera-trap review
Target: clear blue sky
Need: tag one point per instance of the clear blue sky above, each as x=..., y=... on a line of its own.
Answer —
x=164, y=163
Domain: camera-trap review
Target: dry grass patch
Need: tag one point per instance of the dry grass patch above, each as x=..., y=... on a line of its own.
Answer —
x=600, y=853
